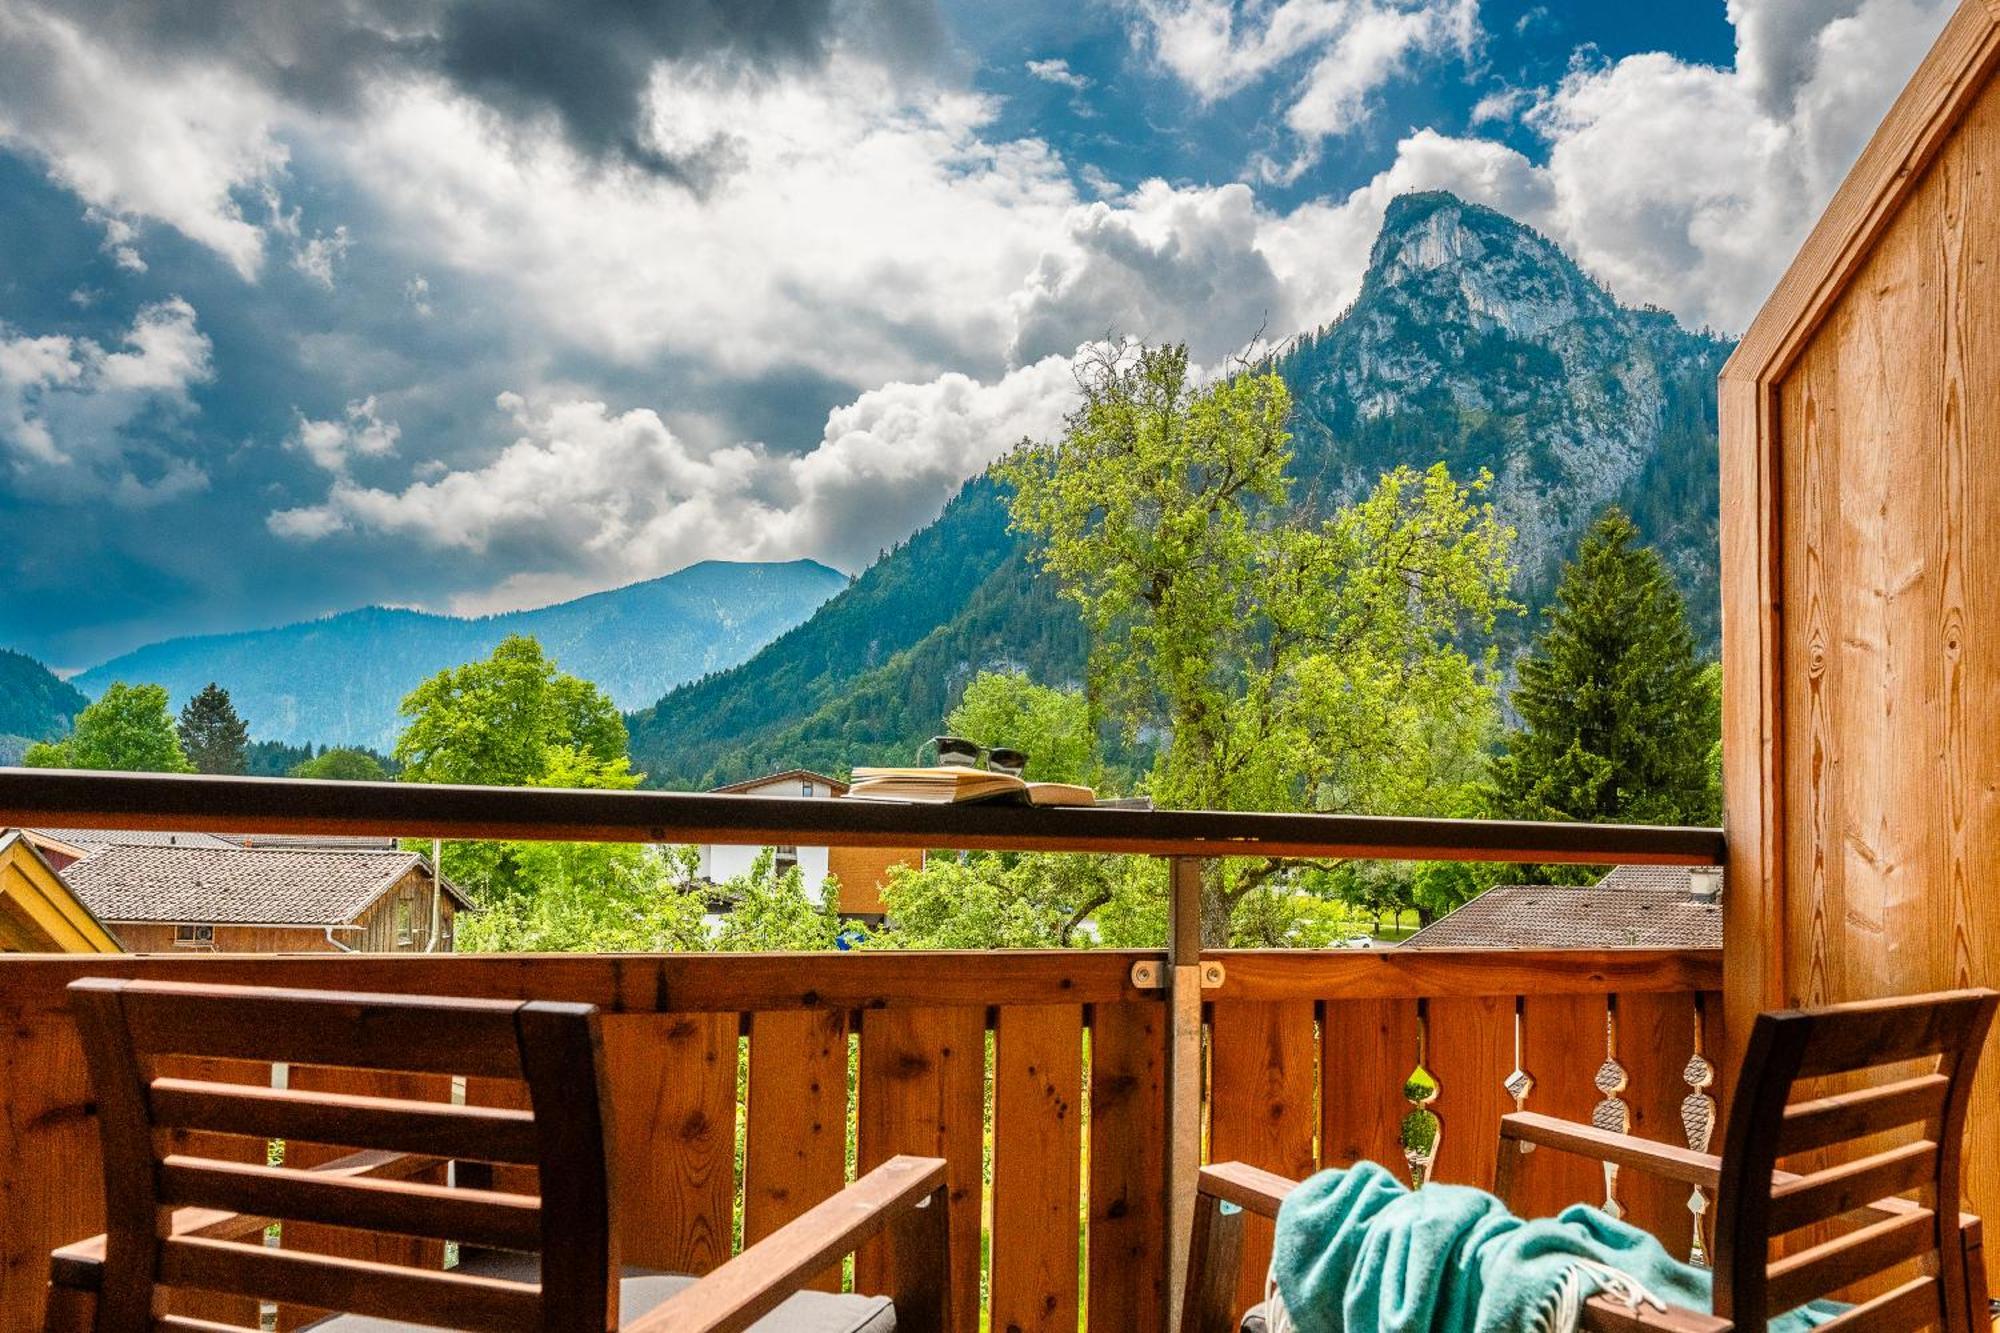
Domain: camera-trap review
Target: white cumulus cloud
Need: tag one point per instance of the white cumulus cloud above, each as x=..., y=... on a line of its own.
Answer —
x=70, y=409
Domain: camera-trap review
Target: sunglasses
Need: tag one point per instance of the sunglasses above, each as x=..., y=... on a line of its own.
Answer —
x=958, y=752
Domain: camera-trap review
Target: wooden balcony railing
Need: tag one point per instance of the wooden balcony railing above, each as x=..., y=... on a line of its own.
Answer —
x=1102, y=1074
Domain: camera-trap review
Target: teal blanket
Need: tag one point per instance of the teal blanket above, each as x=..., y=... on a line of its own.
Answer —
x=1359, y=1252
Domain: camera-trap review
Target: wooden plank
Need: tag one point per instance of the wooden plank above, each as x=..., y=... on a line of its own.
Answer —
x=1562, y=1040
x=795, y=1146
x=1655, y=1039
x=629, y=984
x=923, y=1093
x=48, y=797
x=1127, y=1150
x=1471, y=1051
x=1262, y=1071
x=432, y=1128
x=1384, y=974
x=405, y=1208
x=507, y=1094
x=373, y=1247
x=1367, y=1049
x=1037, y=1167
x=673, y=1122
x=1852, y=1115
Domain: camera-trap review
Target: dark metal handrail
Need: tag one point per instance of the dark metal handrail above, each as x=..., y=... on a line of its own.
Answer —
x=65, y=798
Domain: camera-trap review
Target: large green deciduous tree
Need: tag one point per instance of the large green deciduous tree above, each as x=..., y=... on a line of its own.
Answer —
x=1620, y=717
x=212, y=735
x=130, y=728
x=1053, y=727
x=346, y=764
x=1286, y=662
x=510, y=720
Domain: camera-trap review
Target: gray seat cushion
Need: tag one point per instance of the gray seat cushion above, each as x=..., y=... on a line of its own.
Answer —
x=641, y=1289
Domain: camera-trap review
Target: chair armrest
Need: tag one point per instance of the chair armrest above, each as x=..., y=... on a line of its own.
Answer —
x=1660, y=1159
x=748, y=1287
x=1249, y=1188
x=1602, y=1314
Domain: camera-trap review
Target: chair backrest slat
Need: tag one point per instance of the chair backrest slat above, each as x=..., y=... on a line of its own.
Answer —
x=356, y=1286
x=1900, y=1133
x=437, y=1129
x=362, y=1031
x=1853, y=1115
x=155, y=1121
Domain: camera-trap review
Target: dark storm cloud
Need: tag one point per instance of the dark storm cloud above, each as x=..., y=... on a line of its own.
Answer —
x=584, y=64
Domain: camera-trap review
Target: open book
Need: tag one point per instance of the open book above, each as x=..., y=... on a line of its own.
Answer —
x=950, y=786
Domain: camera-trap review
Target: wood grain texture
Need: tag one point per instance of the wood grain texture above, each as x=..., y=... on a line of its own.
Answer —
x=1262, y=1062
x=1037, y=1167
x=673, y=1124
x=1128, y=1044
x=1562, y=1042
x=923, y=1092
x=1367, y=1049
x=1655, y=1038
x=1471, y=1053
x=795, y=1145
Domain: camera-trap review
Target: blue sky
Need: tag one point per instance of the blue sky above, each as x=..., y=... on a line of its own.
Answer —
x=479, y=304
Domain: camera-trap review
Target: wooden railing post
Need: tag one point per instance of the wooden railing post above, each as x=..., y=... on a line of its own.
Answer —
x=1183, y=1155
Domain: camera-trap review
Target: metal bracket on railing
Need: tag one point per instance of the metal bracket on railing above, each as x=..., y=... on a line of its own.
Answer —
x=1150, y=975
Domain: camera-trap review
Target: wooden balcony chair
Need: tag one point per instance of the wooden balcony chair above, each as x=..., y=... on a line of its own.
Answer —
x=1922, y=1113
x=180, y=1221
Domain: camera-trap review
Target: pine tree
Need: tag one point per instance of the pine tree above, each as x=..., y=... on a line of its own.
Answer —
x=1619, y=712
x=215, y=738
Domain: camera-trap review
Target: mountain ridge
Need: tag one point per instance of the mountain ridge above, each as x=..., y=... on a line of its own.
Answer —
x=1473, y=339
x=635, y=641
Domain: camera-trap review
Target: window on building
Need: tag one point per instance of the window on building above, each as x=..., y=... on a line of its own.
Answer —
x=194, y=937
x=805, y=789
x=786, y=857
x=406, y=915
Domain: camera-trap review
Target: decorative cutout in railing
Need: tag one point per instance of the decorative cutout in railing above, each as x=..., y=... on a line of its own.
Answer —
x=1423, y=1131
x=1520, y=1083
x=1698, y=1121
x=1612, y=1113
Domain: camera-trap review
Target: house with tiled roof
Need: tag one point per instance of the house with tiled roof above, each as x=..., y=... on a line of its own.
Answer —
x=1633, y=907
x=38, y=912
x=859, y=872
x=163, y=897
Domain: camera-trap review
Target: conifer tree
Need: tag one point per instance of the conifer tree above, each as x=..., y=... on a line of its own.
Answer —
x=1619, y=713
x=213, y=737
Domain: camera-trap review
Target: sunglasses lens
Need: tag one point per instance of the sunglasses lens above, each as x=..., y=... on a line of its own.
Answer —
x=956, y=752
x=1007, y=761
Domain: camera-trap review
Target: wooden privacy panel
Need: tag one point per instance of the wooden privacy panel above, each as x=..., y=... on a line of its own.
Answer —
x=673, y=1118
x=1037, y=1166
x=1128, y=1097
x=923, y=1091
x=1262, y=1070
x=1470, y=1050
x=795, y=1146
x=1861, y=592
x=1655, y=1039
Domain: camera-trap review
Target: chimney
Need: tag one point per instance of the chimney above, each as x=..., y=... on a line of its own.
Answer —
x=1705, y=884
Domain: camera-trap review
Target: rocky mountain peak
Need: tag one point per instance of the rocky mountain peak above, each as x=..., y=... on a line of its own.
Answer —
x=1472, y=265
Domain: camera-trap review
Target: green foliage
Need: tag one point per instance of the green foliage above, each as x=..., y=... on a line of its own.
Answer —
x=212, y=736
x=128, y=729
x=994, y=900
x=1620, y=716
x=1052, y=726
x=343, y=765
x=276, y=759
x=34, y=702
x=867, y=678
x=769, y=909
x=592, y=897
x=512, y=720
x=1289, y=664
